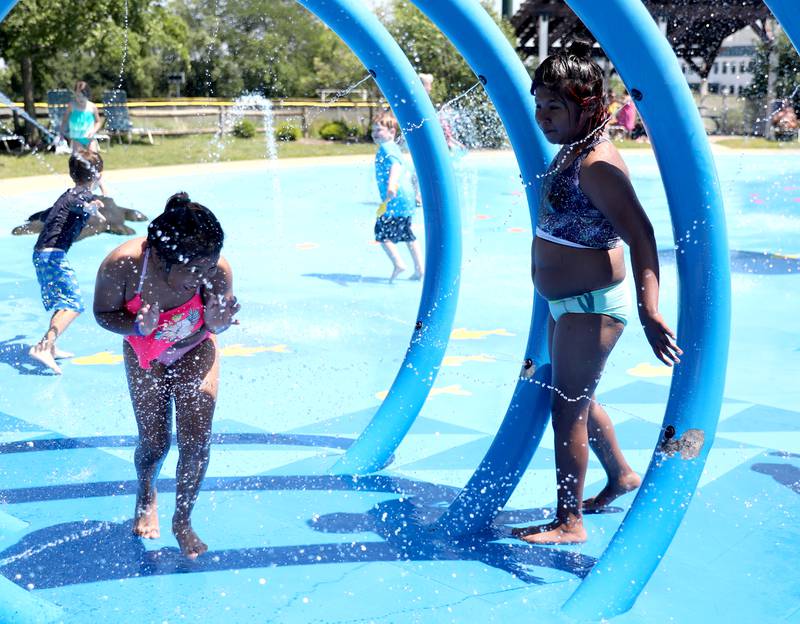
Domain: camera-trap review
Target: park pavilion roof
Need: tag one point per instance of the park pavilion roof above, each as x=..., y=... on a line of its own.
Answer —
x=695, y=28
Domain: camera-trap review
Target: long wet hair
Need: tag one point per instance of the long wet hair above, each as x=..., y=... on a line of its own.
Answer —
x=185, y=231
x=573, y=74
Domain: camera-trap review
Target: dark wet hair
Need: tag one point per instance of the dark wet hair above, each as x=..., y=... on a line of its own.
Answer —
x=85, y=166
x=573, y=74
x=185, y=231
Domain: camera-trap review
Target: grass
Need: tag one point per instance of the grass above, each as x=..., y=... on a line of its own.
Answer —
x=202, y=148
x=178, y=151
x=629, y=144
x=758, y=143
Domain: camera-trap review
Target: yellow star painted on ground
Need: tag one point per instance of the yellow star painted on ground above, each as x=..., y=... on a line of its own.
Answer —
x=238, y=350
x=98, y=359
x=645, y=369
x=454, y=389
x=458, y=360
x=462, y=333
x=106, y=358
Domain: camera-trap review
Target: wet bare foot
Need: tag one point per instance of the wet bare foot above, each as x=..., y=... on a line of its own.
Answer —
x=397, y=271
x=145, y=520
x=62, y=355
x=417, y=277
x=191, y=545
x=43, y=353
x=556, y=532
x=613, y=490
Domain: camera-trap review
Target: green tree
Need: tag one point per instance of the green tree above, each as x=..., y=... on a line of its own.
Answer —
x=38, y=30
x=274, y=47
x=473, y=120
x=787, y=71
x=137, y=59
x=430, y=51
x=131, y=44
x=757, y=107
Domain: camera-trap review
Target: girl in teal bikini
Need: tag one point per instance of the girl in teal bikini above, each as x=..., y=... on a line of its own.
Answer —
x=588, y=209
x=81, y=122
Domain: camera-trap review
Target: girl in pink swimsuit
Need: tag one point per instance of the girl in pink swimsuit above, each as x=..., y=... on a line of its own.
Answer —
x=168, y=295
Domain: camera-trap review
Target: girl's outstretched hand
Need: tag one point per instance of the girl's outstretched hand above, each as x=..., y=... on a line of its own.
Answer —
x=147, y=319
x=661, y=339
x=219, y=313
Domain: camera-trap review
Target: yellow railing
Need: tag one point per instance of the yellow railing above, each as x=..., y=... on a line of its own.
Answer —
x=195, y=102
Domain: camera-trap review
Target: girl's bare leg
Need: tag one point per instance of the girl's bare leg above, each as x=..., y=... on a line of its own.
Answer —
x=416, y=256
x=151, y=406
x=195, y=379
x=603, y=441
x=391, y=250
x=45, y=350
x=580, y=347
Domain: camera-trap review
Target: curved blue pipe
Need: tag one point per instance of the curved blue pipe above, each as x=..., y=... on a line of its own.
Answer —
x=787, y=12
x=654, y=78
x=5, y=7
x=506, y=81
x=376, y=49
x=17, y=605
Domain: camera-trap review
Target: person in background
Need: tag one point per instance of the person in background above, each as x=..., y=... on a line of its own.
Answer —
x=57, y=280
x=393, y=223
x=453, y=144
x=82, y=123
x=624, y=120
x=784, y=121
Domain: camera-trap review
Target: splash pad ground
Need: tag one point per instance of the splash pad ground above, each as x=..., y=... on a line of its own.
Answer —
x=321, y=338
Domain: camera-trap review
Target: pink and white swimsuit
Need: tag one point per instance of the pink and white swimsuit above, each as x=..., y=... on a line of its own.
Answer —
x=173, y=326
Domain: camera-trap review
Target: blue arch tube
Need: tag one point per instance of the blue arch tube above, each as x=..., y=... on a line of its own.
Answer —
x=17, y=605
x=490, y=55
x=648, y=66
x=381, y=55
x=787, y=12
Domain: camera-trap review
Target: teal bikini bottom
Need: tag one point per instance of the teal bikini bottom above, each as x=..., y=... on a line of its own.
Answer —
x=614, y=301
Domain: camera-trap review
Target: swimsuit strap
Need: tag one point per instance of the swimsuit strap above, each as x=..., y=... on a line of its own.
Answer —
x=144, y=271
x=585, y=151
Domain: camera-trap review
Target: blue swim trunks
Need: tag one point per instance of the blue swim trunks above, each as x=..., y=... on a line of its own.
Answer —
x=60, y=290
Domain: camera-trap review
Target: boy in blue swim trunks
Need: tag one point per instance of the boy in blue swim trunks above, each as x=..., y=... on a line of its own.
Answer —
x=393, y=224
x=66, y=218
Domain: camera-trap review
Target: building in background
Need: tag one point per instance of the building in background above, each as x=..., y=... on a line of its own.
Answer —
x=731, y=70
x=514, y=5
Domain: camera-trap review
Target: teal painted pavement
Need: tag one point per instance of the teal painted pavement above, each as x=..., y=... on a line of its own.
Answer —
x=321, y=337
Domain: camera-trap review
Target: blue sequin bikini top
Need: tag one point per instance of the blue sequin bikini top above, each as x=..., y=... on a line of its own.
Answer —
x=567, y=216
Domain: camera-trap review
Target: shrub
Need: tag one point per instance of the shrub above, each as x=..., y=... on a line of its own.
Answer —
x=288, y=132
x=356, y=132
x=334, y=131
x=244, y=129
